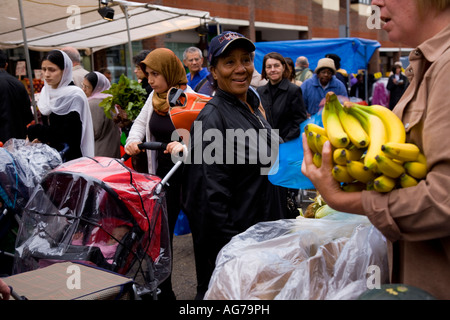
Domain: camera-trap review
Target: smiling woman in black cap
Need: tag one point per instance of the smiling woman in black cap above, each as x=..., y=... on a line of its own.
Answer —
x=226, y=188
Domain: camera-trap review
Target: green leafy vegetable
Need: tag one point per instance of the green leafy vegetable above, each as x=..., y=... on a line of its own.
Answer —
x=126, y=93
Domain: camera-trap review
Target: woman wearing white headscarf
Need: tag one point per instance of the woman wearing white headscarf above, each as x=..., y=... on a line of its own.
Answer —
x=106, y=132
x=67, y=108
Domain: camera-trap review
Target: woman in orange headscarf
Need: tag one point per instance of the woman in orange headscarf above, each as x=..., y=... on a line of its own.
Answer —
x=165, y=71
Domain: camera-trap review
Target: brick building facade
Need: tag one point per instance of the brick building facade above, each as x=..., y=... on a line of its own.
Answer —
x=272, y=20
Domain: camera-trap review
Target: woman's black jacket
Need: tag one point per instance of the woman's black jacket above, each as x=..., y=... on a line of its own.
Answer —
x=221, y=197
x=285, y=110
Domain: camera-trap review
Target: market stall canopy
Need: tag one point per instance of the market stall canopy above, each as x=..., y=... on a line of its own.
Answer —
x=355, y=53
x=55, y=24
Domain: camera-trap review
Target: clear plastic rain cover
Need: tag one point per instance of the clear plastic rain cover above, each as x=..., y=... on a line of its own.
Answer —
x=100, y=212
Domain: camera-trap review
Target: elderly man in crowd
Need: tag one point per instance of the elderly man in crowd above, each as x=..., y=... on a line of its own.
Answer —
x=302, y=70
x=193, y=60
x=323, y=81
x=78, y=72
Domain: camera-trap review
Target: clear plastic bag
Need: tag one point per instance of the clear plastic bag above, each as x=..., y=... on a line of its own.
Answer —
x=36, y=159
x=305, y=259
x=22, y=166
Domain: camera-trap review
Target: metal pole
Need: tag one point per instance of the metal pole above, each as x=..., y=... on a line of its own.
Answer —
x=92, y=61
x=217, y=25
x=347, y=31
x=130, y=49
x=27, y=57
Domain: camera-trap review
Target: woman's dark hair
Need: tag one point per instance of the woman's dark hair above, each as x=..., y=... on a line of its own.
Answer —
x=290, y=64
x=395, y=67
x=335, y=58
x=56, y=57
x=137, y=60
x=92, y=78
x=276, y=56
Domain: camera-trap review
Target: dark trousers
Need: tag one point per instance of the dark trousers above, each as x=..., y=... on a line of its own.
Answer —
x=204, y=266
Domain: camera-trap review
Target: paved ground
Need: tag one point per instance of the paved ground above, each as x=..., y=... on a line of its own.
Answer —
x=184, y=280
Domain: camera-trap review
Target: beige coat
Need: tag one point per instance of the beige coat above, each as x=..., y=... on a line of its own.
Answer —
x=417, y=219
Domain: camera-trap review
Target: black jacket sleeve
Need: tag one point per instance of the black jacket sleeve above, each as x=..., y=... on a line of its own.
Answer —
x=297, y=113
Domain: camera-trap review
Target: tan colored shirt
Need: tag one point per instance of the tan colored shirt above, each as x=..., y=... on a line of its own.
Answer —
x=417, y=219
x=78, y=74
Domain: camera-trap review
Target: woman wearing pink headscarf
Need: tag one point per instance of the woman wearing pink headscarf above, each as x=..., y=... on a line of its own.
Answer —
x=106, y=132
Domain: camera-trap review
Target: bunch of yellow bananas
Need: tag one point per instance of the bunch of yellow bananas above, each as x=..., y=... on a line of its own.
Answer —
x=369, y=149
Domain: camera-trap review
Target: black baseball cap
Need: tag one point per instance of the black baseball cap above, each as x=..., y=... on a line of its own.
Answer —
x=223, y=41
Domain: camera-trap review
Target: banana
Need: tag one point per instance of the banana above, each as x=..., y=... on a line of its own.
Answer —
x=388, y=167
x=421, y=158
x=407, y=181
x=401, y=151
x=340, y=174
x=317, y=159
x=335, y=132
x=353, y=186
x=416, y=169
x=340, y=156
x=320, y=140
x=315, y=128
x=356, y=133
x=383, y=183
x=329, y=99
x=394, y=126
x=353, y=153
x=360, y=172
x=377, y=133
x=311, y=140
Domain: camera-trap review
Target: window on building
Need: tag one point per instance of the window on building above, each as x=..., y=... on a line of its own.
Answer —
x=361, y=1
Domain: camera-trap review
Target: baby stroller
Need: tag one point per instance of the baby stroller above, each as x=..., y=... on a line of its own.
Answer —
x=99, y=212
x=22, y=166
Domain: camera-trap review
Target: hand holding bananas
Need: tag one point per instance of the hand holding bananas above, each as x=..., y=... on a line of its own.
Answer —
x=367, y=145
x=325, y=185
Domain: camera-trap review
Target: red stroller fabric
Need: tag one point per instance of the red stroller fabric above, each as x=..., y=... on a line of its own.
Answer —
x=130, y=186
x=98, y=210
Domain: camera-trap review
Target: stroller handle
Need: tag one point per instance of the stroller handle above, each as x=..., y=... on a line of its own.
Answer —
x=147, y=146
x=152, y=145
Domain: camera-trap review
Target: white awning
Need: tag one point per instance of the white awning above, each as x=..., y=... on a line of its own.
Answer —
x=393, y=49
x=55, y=24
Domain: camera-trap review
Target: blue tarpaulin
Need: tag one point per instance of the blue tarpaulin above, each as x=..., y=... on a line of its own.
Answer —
x=355, y=53
x=286, y=171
